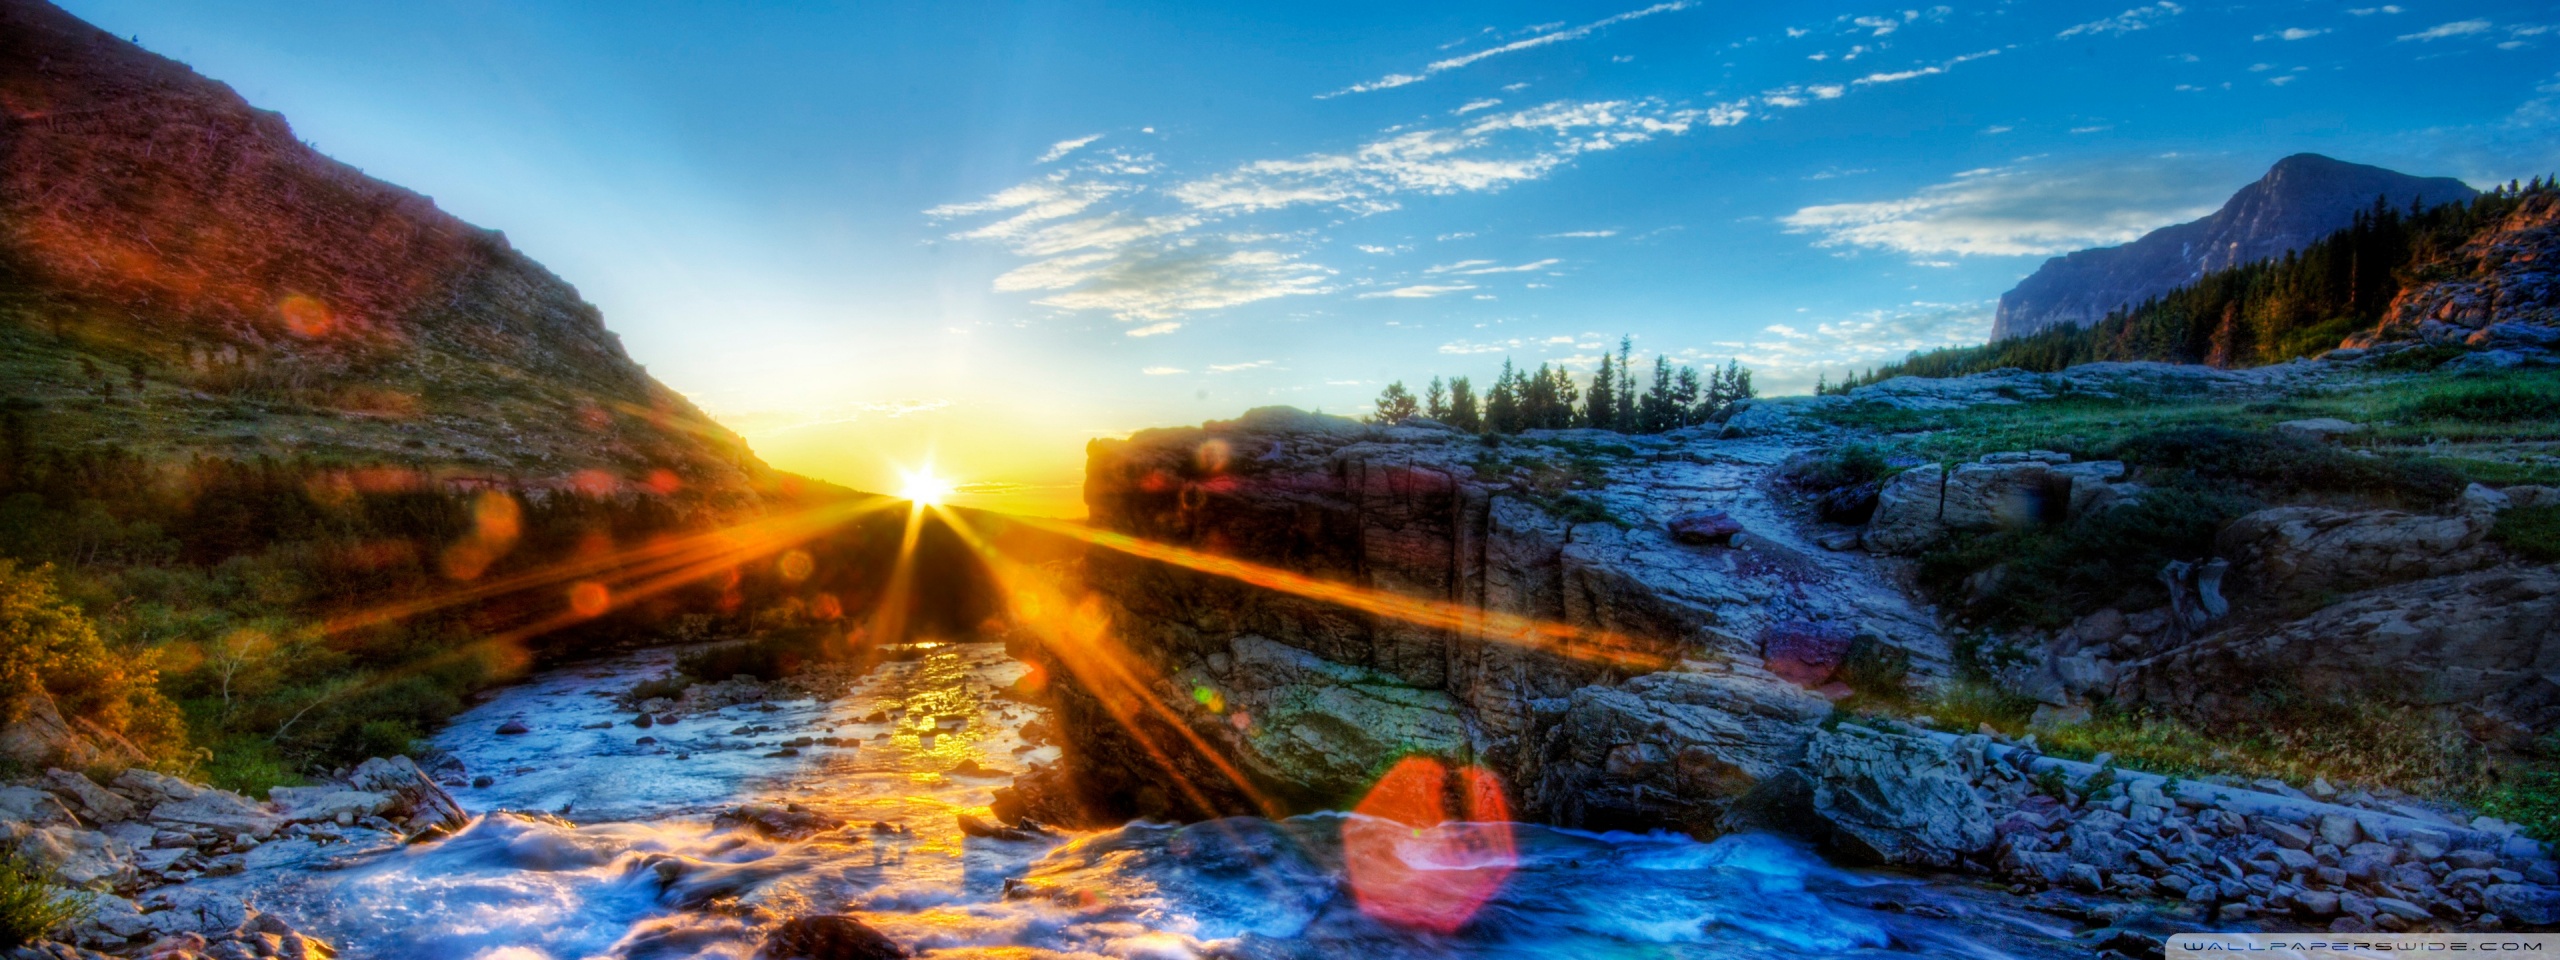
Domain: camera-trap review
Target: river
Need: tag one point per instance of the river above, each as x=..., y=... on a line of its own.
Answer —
x=595, y=839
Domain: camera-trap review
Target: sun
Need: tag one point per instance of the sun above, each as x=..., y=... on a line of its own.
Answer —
x=925, y=489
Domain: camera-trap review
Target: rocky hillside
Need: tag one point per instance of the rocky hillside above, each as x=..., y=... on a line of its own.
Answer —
x=2303, y=198
x=1744, y=626
x=180, y=276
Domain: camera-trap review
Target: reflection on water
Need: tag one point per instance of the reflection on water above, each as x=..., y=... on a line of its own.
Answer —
x=635, y=868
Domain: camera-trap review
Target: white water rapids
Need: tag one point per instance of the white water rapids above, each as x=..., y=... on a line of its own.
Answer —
x=593, y=843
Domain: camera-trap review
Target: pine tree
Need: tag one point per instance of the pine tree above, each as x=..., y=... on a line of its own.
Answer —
x=1462, y=406
x=1435, y=401
x=1684, y=398
x=1655, y=409
x=1601, y=410
x=1567, y=395
x=1538, y=399
x=1627, y=385
x=1395, y=405
x=1502, y=406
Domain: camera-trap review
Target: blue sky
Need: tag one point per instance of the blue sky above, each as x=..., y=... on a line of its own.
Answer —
x=984, y=233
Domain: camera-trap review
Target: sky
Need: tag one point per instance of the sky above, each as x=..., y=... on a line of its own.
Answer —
x=971, y=237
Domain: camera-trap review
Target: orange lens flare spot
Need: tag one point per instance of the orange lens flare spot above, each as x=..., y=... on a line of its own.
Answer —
x=590, y=599
x=1428, y=850
x=496, y=519
x=795, y=566
x=306, y=317
x=826, y=607
x=664, y=482
x=1213, y=456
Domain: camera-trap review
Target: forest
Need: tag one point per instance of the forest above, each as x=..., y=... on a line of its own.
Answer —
x=2256, y=314
x=1550, y=399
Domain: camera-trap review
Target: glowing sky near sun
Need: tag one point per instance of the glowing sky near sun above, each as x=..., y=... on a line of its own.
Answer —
x=977, y=234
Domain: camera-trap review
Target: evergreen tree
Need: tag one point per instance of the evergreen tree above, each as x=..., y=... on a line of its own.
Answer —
x=1435, y=401
x=1395, y=405
x=1684, y=398
x=1601, y=410
x=1462, y=406
x=1563, y=416
x=1655, y=409
x=1538, y=400
x=1626, y=418
x=1502, y=405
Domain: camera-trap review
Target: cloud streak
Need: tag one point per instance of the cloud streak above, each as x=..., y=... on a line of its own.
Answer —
x=1463, y=61
x=2015, y=211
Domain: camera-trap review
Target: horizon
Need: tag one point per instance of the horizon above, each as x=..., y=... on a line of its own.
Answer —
x=975, y=242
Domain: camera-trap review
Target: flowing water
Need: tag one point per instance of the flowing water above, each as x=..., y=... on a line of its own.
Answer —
x=597, y=841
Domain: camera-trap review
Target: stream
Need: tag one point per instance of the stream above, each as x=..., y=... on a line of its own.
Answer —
x=594, y=838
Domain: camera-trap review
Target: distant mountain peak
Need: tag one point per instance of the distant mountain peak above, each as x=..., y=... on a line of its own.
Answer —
x=2301, y=198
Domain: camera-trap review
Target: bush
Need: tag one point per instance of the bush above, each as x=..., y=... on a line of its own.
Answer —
x=2530, y=532
x=2049, y=576
x=248, y=765
x=30, y=908
x=2275, y=467
x=2489, y=403
x=47, y=644
x=2528, y=793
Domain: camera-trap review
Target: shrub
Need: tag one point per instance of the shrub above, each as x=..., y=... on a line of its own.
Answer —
x=30, y=908
x=2414, y=359
x=2508, y=402
x=2530, y=532
x=47, y=644
x=2275, y=467
x=2527, y=793
x=2050, y=575
x=248, y=765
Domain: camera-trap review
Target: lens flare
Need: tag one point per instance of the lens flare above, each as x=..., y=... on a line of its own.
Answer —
x=924, y=488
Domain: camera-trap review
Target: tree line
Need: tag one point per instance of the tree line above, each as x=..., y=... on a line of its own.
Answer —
x=2271, y=311
x=1549, y=398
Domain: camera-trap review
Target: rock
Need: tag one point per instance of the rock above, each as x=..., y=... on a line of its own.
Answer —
x=829, y=937
x=1756, y=418
x=2284, y=834
x=76, y=857
x=1705, y=527
x=1896, y=799
x=978, y=827
x=1672, y=748
x=185, y=909
x=1805, y=653
x=2523, y=904
x=91, y=802
x=41, y=737
x=2316, y=903
x=326, y=803
x=146, y=788
x=513, y=726
x=223, y=811
x=1923, y=505
x=2083, y=877
x=786, y=821
x=417, y=798
x=19, y=804
x=2339, y=830
x=2319, y=429
x=2284, y=554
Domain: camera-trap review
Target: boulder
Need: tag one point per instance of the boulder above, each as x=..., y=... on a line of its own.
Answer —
x=41, y=737
x=1926, y=504
x=2523, y=904
x=28, y=805
x=76, y=857
x=327, y=803
x=829, y=937
x=1896, y=799
x=1755, y=418
x=416, y=798
x=1321, y=726
x=1705, y=527
x=93, y=803
x=1671, y=749
x=147, y=788
x=225, y=812
x=2288, y=554
x=185, y=909
x=1805, y=653
x=780, y=821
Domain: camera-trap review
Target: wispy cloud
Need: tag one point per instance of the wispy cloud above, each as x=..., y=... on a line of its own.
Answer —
x=1233, y=367
x=1580, y=234
x=1059, y=150
x=1419, y=291
x=2138, y=18
x=1786, y=357
x=1437, y=67
x=1470, y=268
x=2458, y=28
x=2017, y=211
x=2292, y=33
x=1155, y=329
x=2370, y=11
x=1163, y=371
x=1901, y=75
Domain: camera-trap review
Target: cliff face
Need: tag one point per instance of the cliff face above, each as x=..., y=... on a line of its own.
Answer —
x=2303, y=198
x=1647, y=704
x=162, y=236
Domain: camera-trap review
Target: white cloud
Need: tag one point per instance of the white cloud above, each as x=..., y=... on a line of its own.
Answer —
x=2458, y=28
x=2281, y=81
x=1590, y=234
x=2370, y=11
x=1785, y=358
x=1901, y=75
x=2017, y=211
x=1469, y=268
x=1475, y=105
x=1059, y=150
x=1419, y=291
x=2292, y=33
x=1542, y=39
x=1469, y=348
x=2138, y=18
x=1154, y=329
x=1233, y=367
x=1163, y=371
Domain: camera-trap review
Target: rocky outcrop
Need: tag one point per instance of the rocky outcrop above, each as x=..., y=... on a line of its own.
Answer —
x=1896, y=799
x=1408, y=595
x=2498, y=293
x=2288, y=555
x=2003, y=491
x=41, y=736
x=2303, y=198
x=2484, y=644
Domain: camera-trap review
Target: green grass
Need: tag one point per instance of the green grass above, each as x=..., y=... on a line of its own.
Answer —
x=248, y=765
x=2530, y=532
x=2496, y=401
x=2527, y=793
x=31, y=908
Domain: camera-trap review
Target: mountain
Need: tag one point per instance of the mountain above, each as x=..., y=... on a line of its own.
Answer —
x=180, y=276
x=2302, y=198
